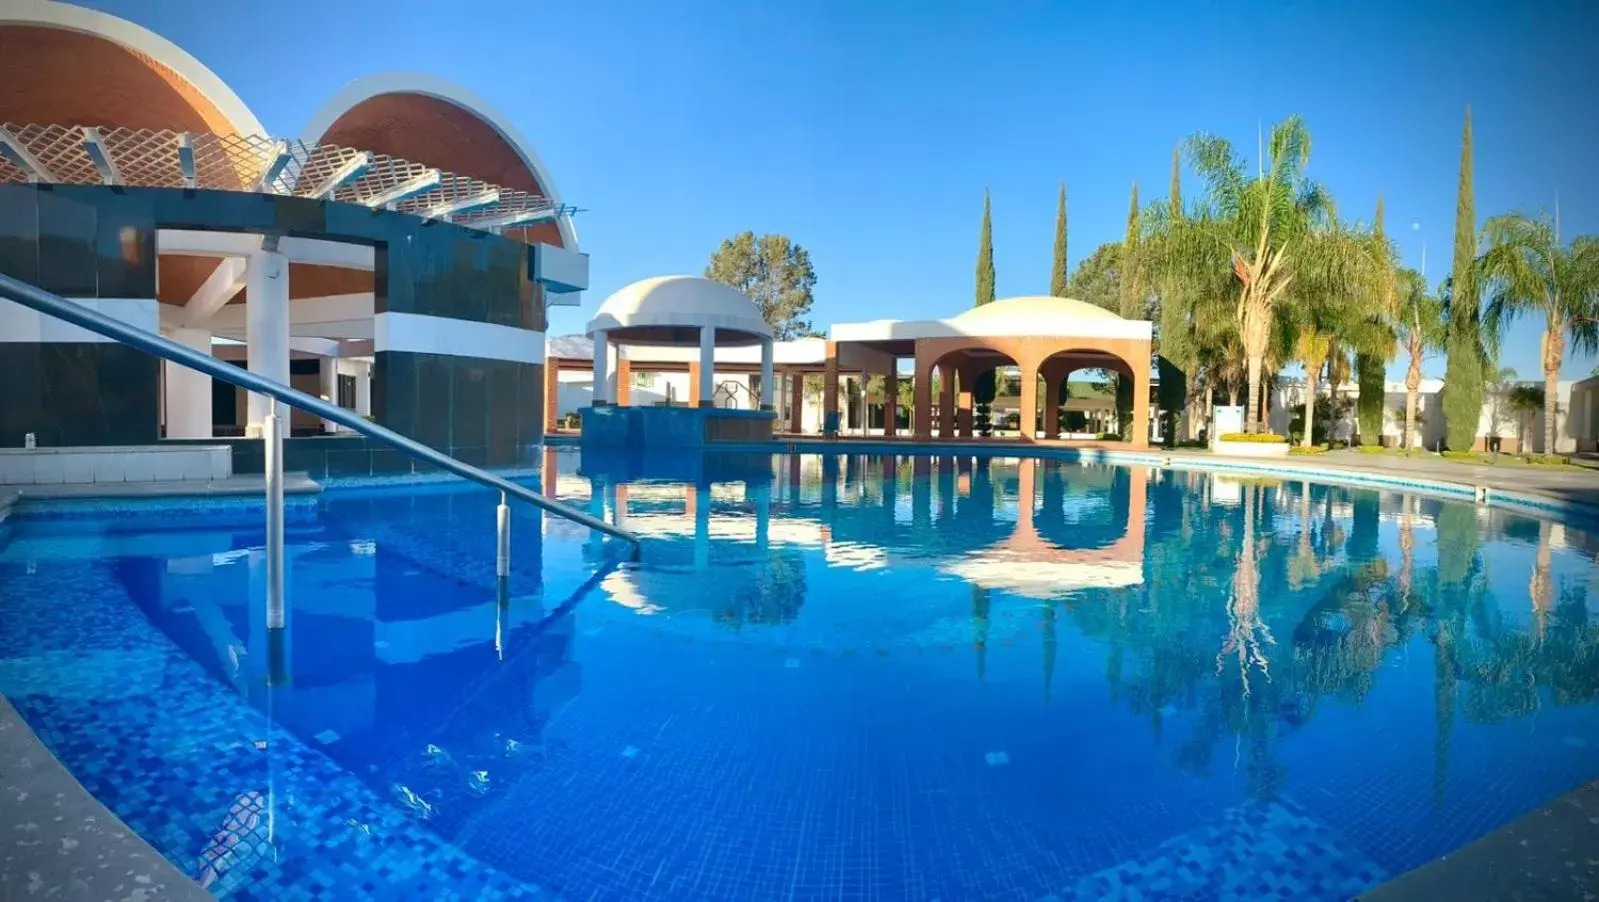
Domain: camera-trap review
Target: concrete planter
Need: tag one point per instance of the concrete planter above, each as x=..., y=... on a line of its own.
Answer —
x=1249, y=449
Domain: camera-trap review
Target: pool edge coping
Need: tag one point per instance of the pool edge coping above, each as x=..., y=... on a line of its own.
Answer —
x=84, y=851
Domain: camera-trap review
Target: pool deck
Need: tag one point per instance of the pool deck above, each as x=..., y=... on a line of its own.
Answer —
x=60, y=843
x=1552, y=853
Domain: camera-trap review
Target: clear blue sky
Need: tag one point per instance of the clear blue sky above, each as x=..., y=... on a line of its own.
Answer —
x=867, y=131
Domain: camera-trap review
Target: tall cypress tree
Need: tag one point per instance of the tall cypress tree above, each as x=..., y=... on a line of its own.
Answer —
x=985, y=259
x=1131, y=298
x=1176, y=359
x=1131, y=303
x=1371, y=368
x=1463, y=388
x=1057, y=275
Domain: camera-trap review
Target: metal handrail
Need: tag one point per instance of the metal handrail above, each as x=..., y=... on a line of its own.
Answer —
x=45, y=302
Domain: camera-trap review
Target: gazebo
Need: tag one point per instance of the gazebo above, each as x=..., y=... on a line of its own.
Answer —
x=1046, y=337
x=661, y=314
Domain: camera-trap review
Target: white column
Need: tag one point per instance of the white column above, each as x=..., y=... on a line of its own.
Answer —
x=766, y=375
x=864, y=408
x=188, y=393
x=363, y=390
x=602, y=368
x=266, y=319
x=707, y=366
x=328, y=370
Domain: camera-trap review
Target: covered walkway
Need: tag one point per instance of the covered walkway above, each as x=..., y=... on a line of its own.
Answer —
x=1043, y=337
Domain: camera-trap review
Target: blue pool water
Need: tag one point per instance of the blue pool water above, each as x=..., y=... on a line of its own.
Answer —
x=826, y=677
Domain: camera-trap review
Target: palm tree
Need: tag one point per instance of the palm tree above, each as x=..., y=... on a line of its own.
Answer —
x=1528, y=271
x=1311, y=348
x=1420, y=324
x=1259, y=235
x=1525, y=400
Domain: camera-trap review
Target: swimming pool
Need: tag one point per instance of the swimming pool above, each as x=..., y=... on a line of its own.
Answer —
x=843, y=676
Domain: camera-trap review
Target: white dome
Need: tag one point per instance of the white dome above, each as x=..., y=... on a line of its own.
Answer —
x=1030, y=315
x=679, y=301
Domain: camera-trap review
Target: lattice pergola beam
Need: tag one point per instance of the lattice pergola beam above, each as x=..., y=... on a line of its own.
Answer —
x=186, y=160
x=155, y=158
x=19, y=156
x=446, y=211
x=420, y=185
x=349, y=171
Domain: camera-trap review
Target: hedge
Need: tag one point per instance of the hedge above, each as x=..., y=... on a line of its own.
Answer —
x=1265, y=438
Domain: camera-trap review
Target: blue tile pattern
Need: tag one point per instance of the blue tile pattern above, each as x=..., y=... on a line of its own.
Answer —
x=855, y=679
x=1259, y=851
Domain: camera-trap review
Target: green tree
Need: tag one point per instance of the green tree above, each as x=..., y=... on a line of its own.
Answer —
x=1267, y=233
x=1178, y=357
x=775, y=273
x=1374, y=338
x=1058, y=273
x=1463, y=382
x=1525, y=400
x=1528, y=271
x=1097, y=280
x=985, y=259
x=1421, y=327
x=1131, y=301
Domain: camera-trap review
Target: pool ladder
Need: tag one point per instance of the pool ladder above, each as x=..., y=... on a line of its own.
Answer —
x=36, y=298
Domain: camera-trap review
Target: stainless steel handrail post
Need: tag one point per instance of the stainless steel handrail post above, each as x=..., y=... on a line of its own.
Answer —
x=272, y=439
x=502, y=556
x=36, y=298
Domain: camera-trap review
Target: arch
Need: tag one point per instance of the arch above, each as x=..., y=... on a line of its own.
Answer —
x=420, y=117
x=959, y=363
x=1056, y=370
x=85, y=67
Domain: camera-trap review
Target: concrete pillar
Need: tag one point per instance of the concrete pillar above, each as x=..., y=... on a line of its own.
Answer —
x=363, y=390
x=328, y=371
x=946, y=401
x=624, y=382
x=830, y=391
x=707, y=366
x=890, y=399
x=602, y=368
x=1139, y=435
x=1052, y=405
x=865, y=410
x=922, y=393
x=964, y=401
x=552, y=393
x=694, y=383
x=1027, y=428
x=266, y=322
x=796, y=402
x=188, y=393
x=766, y=374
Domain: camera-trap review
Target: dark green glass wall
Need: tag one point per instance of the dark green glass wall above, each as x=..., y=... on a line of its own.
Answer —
x=92, y=241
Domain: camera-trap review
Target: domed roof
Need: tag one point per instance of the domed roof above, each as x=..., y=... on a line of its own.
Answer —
x=668, y=302
x=1036, y=310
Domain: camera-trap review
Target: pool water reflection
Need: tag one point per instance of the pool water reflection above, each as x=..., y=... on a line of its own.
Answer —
x=851, y=676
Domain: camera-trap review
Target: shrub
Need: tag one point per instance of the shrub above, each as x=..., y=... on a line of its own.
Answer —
x=1301, y=450
x=1461, y=455
x=1265, y=438
x=1108, y=437
x=1547, y=460
x=1373, y=449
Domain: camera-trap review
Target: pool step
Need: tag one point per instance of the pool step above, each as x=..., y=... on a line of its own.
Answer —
x=1258, y=850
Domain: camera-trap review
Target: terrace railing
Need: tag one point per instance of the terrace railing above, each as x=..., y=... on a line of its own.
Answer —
x=36, y=298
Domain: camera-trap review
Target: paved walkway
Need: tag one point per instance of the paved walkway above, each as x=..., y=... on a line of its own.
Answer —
x=1578, y=485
